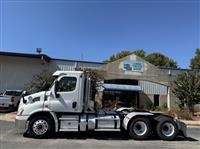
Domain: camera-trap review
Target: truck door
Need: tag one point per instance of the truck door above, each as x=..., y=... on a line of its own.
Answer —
x=68, y=97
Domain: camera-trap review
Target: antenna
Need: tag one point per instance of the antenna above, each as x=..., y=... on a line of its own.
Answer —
x=38, y=50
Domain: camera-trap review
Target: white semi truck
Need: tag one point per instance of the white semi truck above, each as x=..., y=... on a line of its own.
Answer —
x=67, y=106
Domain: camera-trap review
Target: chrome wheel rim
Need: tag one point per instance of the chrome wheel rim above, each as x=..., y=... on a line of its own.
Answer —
x=40, y=127
x=140, y=128
x=168, y=129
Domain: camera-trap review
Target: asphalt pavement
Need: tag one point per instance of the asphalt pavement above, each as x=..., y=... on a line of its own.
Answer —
x=10, y=138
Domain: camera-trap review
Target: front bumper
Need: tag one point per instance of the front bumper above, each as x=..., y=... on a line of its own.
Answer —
x=21, y=123
x=182, y=128
x=6, y=104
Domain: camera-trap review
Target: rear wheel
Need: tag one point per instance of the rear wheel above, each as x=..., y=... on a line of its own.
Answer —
x=140, y=128
x=167, y=129
x=40, y=127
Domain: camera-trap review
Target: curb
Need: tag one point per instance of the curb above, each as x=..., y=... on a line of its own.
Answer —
x=195, y=125
x=191, y=123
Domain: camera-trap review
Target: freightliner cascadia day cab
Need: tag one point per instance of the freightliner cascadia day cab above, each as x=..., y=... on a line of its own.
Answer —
x=67, y=106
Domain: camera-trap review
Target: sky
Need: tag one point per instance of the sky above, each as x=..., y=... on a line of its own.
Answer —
x=93, y=30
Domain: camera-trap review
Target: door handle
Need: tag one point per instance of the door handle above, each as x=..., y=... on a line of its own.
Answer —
x=74, y=104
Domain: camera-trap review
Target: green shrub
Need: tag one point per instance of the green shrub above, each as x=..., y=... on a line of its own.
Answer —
x=163, y=107
x=40, y=82
x=148, y=106
x=180, y=113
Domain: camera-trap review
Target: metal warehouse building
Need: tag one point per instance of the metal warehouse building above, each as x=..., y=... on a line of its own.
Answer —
x=17, y=69
x=151, y=83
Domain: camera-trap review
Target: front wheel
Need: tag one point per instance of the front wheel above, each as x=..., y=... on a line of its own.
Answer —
x=167, y=129
x=40, y=127
x=140, y=128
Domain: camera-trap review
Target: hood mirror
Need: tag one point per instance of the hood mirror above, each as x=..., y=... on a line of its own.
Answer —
x=23, y=94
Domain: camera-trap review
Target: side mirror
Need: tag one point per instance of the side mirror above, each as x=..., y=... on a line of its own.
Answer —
x=56, y=89
x=24, y=94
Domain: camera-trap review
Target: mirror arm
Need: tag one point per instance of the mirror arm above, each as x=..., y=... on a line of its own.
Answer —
x=23, y=94
x=56, y=90
x=24, y=101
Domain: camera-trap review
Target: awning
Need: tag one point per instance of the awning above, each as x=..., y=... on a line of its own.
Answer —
x=121, y=87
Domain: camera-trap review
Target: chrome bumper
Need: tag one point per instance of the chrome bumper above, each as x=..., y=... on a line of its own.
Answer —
x=21, y=124
x=182, y=128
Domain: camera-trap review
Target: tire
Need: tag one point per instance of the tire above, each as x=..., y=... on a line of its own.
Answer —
x=167, y=129
x=40, y=127
x=140, y=128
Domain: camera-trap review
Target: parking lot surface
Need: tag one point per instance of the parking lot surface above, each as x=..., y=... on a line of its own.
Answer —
x=10, y=138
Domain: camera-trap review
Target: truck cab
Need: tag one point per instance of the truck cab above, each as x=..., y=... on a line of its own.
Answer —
x=66, y=94
x=68, y=106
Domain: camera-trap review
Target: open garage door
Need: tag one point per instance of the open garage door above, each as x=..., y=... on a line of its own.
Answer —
x=119, y=95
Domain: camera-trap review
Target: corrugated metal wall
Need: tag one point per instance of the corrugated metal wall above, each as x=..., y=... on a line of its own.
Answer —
x=84, y=65
x=15, y=72
x=153, y=88
x=61, y=65
x=71, y=65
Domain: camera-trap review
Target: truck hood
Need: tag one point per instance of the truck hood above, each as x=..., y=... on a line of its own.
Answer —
x=32, y=102
x=30, y=98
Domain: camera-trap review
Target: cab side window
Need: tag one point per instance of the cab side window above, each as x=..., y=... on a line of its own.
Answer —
x=67, y=84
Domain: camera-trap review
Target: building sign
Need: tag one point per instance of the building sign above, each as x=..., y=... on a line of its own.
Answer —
x=135, y=66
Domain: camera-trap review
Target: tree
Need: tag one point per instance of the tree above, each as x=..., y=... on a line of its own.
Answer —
x=161, y=60
x=114, y=57
x=141, y=53
x=187, y=89
x=195, y=62
x=40, y=82
x=156, y=58
x=119, y=55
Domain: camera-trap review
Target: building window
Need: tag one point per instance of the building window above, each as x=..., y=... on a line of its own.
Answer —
x=156, y=100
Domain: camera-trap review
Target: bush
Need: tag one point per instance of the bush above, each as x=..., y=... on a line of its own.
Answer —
x=180, y=113
x=148, y=106
x=163, y=107
x=40, y=82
